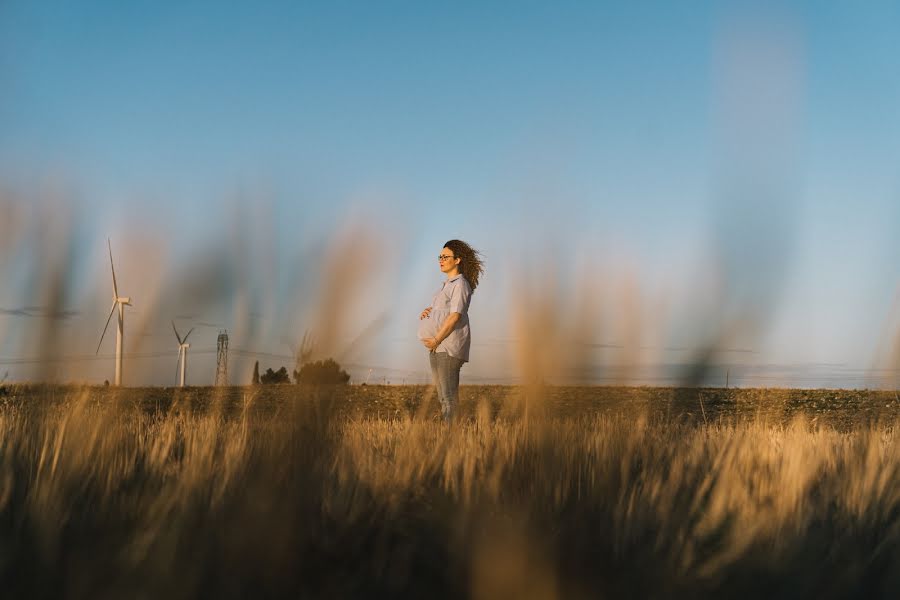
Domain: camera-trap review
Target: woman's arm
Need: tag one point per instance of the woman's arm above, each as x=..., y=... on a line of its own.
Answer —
x=447, y=327
x=445, y=330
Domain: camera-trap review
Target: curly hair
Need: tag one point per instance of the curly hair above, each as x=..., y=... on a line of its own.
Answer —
x=471, y=264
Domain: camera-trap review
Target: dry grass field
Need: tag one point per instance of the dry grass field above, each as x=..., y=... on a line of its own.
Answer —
x=535, y=493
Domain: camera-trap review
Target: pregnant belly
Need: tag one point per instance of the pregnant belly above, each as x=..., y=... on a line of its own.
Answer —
x=429, y=327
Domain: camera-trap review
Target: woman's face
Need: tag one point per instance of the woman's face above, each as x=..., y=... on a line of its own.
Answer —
x=447, y=261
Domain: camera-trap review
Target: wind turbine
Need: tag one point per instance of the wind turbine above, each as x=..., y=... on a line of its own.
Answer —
x=120, y=302
x=182, y=352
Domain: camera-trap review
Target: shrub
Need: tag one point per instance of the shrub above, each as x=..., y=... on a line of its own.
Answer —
x=322, y=371
x=279, y=376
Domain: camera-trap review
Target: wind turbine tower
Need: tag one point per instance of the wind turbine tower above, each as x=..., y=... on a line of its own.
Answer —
x=118, y=302
x=182, y=353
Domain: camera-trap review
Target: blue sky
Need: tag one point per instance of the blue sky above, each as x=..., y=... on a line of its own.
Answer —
x=614, y=134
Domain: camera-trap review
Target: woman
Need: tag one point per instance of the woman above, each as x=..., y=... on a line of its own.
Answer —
x=444, y=326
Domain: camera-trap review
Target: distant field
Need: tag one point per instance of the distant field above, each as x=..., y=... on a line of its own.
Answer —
x=839, y=408
x=360, y=492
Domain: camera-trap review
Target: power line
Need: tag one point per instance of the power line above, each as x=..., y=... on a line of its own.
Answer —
x=168, y=354
x=90, y=357
x=835, y=375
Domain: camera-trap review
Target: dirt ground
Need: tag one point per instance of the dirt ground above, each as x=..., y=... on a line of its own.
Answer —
x=837, y=408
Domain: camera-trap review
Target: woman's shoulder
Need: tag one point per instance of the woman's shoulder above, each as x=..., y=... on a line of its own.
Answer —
x=463, y=282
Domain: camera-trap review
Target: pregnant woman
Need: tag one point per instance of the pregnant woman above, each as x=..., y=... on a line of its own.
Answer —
x=444, y=326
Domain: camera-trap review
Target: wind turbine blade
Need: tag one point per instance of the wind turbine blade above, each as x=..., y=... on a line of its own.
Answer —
x=178, y=364
x=184, y=341
x=108, y=319
x=180, y=341
x=113, y=267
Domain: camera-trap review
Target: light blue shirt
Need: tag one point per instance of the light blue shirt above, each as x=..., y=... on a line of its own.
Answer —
x=454, y=296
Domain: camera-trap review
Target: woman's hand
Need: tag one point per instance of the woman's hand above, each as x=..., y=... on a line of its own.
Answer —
x=425, y=313
x=430, y=343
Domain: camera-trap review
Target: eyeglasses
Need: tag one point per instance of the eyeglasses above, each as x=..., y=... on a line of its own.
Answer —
x=443, y=257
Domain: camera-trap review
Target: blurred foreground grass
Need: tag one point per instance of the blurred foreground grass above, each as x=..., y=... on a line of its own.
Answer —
x=352, y=492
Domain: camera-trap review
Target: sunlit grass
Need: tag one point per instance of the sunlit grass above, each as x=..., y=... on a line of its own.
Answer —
x=112, y=499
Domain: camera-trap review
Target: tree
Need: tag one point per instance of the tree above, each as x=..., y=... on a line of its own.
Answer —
x=256, y=373
x=322, y=371
x=279, y=376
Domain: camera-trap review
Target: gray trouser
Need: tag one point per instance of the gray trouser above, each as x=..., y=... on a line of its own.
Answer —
x=445, y=374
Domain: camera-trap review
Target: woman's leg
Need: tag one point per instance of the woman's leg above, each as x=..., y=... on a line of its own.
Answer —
x=436, y=377
x=448, y=376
